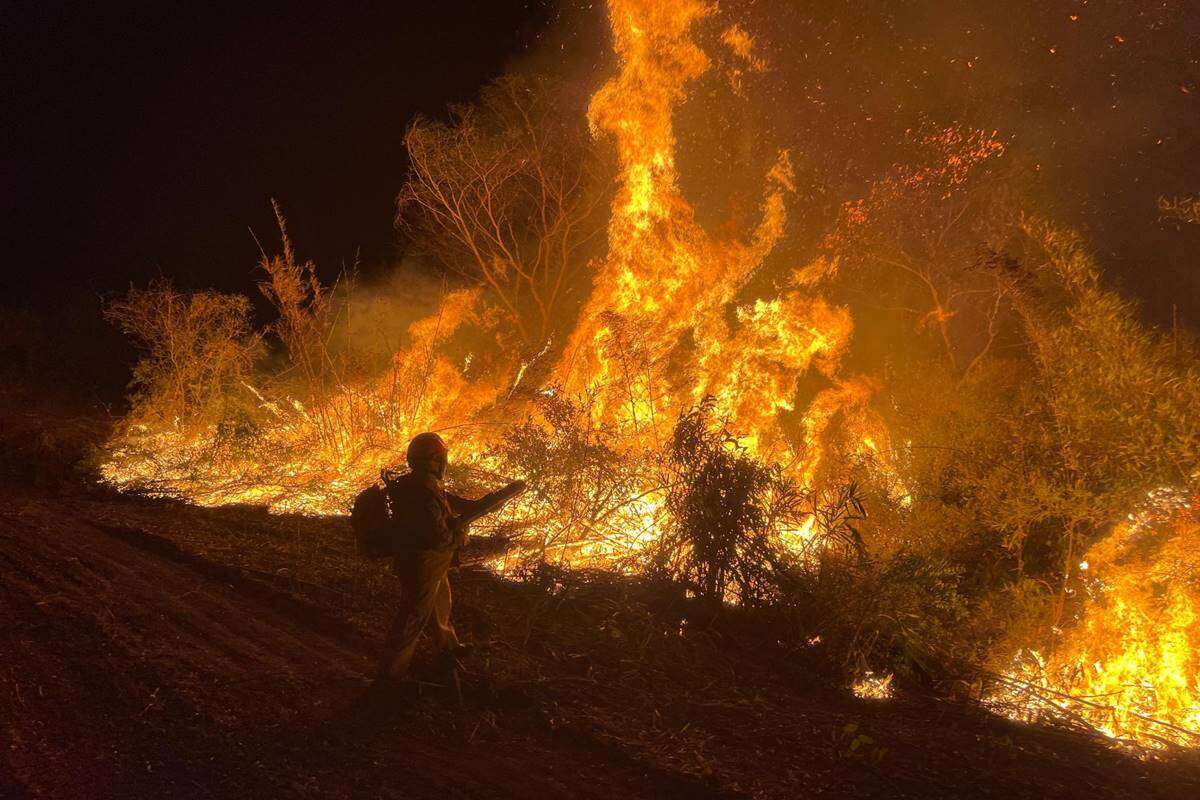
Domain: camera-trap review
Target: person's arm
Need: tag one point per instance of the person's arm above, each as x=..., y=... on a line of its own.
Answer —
x=467, y=511
x=460, y=505
x=492, y=501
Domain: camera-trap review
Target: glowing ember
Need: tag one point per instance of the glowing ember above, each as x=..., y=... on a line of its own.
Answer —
x=873, y=687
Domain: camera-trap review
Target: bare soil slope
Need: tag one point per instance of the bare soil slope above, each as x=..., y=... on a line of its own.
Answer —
x=155, y=650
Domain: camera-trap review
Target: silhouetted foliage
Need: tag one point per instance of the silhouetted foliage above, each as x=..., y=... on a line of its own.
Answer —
x=510, y=194
x=197, y=347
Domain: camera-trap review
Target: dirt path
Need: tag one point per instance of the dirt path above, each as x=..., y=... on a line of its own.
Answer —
x=134, y=673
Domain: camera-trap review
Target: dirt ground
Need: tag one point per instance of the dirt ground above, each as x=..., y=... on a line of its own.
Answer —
x=156, y=650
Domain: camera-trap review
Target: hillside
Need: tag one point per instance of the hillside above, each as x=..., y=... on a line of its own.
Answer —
x=154, y=649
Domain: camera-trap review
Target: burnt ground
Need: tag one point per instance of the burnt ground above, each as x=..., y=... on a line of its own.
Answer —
x=152, y=649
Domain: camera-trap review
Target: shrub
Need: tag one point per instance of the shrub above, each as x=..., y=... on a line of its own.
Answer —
x=197, y=348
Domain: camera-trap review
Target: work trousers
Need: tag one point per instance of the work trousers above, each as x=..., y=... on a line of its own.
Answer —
x=424, y=598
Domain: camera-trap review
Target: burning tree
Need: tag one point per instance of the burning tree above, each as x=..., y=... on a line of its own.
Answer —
x=922, y=233
x=510, y=194
x=1111, y=444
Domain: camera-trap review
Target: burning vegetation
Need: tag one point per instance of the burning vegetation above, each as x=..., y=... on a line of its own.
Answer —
x=926, y=438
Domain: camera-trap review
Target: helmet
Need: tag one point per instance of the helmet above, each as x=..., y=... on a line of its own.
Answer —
x=425, y=448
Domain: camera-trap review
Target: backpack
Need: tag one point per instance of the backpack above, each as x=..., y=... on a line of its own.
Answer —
x=371, y=520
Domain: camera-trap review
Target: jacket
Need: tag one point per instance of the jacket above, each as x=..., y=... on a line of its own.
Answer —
x=424, y=513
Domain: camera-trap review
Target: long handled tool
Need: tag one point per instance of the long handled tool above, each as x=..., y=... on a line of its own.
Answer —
x=493, y=501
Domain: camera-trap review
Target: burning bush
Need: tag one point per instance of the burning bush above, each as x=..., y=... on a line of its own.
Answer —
x=733, y=519
x=199, y=351
x=591, y=500
x=307, y=427
x=726, y=510
x=1127, y=664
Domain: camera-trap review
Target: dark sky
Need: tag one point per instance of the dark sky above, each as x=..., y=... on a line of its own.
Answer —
x=146, y=138
x=149, y=136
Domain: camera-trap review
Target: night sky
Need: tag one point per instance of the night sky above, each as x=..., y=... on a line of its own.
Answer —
x=146, y=138
x=149, y=138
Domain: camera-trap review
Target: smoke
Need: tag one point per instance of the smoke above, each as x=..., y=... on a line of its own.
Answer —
x=379, y=311
x=1099, y=100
